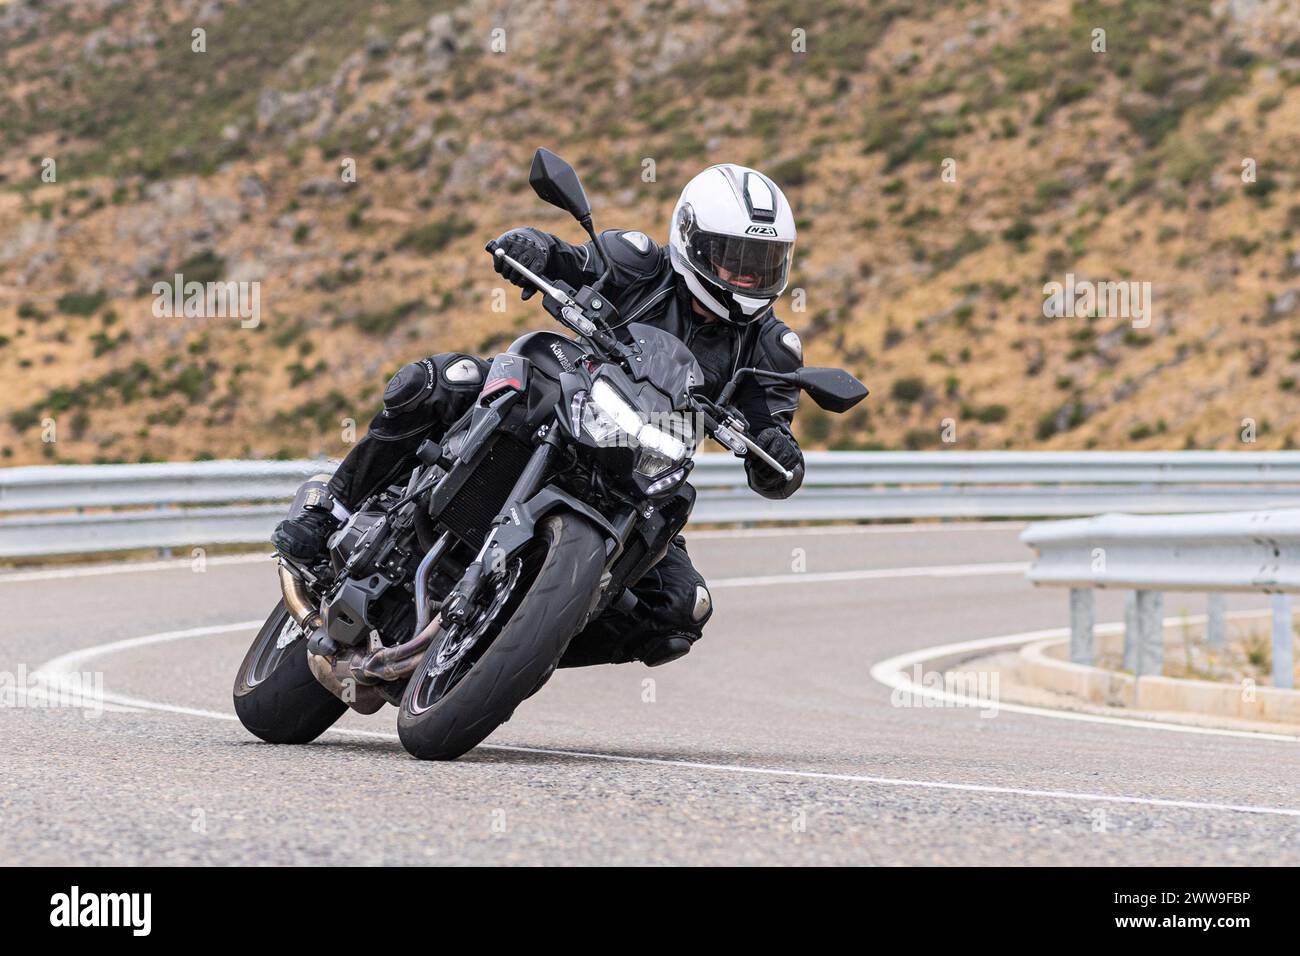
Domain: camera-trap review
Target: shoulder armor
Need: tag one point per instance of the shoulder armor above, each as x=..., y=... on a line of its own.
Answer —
x=633, y=252
x=638, y=241
x=780, y=345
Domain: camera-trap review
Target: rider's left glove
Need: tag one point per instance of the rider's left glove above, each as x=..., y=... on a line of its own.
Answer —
x=531, y=248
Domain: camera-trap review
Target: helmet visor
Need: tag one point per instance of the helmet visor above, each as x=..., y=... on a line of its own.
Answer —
x=744, y=265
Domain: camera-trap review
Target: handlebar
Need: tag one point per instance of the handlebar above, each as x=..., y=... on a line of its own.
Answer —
x=569, y=312
x=558, y=294
x=728, y=433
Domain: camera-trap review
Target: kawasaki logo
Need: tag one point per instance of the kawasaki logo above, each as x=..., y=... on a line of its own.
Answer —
x=565, y=362
x=769, y=231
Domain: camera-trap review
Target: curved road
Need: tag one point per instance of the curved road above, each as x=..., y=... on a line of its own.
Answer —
x=770, y=743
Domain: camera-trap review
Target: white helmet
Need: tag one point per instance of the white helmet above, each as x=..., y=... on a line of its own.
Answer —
x=731, y=240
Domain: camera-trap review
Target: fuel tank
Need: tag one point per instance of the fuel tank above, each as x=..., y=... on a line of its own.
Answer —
x=549, y=352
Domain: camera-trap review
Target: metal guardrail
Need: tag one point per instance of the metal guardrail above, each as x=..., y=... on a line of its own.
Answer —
x=50, y=510
x=1148, y=555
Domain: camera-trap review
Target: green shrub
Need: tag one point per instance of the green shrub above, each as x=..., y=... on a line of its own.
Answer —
x=907, y=389
x=435, y=236
x=791, y=172
x=205, y=266
x=1019, y=231
x=383, y=321
x=81, y=303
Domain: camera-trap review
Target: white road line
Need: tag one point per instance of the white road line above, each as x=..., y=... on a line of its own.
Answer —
x=68, y=663
x=875, y=574
x=129, y=567
x=892, y=673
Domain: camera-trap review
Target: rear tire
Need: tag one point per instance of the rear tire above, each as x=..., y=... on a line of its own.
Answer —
x=520, y=658
x=277, y=697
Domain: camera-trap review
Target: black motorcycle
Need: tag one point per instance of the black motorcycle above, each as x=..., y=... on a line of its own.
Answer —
x=453, y=596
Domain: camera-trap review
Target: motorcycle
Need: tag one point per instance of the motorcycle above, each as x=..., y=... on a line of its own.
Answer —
x=453, y=595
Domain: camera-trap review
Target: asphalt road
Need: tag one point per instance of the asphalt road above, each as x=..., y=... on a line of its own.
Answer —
x=770, y=743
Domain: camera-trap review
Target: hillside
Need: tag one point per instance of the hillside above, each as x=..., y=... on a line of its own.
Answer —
x=1123, y=165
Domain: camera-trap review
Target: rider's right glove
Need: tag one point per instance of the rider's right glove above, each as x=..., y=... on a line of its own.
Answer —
x=531, y=248
x=781, y=445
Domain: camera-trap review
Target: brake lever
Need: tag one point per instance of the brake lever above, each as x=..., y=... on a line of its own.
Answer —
x=570, y=312
x=763, y=456
x=538, y=282
x=731, y=434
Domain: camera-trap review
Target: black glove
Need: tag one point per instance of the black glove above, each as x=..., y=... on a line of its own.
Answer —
x=780, y=444
x=531, y=248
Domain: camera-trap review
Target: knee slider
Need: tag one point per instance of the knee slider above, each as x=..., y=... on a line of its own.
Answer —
x=406, y=401
x=405, y=389
x=703, y=607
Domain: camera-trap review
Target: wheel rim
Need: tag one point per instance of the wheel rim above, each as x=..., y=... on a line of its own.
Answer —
x=272, y=645
x=448, y=662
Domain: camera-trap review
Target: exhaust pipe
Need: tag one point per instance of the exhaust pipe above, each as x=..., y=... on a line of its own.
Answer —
x=297, y=600
x=350, y=676
x=394, y=663
x=337, y=678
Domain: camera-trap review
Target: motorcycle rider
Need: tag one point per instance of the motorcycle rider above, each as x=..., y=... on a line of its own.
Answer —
x=713, y=286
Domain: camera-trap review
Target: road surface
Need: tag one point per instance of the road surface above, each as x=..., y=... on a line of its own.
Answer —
x=770, y=743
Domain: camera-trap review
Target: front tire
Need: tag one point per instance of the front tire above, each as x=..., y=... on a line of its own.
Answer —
x=520, y=658
x=277, y=697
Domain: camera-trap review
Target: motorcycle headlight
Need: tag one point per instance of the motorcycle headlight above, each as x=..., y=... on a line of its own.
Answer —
x=609, y=419
x=660, y=451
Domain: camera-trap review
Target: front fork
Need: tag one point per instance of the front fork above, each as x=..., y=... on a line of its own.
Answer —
x=491, y=558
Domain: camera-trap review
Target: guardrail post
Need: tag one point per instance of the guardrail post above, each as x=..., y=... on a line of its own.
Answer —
x=1081, y=626
x=1216, y=628
x=1130, y=631
x=1150, y=651
x=1283, y=662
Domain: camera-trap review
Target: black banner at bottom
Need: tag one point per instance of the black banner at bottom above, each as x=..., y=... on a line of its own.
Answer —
x=334, y=906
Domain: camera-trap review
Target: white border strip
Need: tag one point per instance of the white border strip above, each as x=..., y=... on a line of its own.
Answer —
x=892, y=673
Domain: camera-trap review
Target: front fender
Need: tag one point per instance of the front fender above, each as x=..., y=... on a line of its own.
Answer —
x=521, y=526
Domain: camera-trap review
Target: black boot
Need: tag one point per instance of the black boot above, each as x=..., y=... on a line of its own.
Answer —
x=304, y=535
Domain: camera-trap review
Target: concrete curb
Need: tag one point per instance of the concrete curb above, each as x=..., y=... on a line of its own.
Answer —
x=1038, y=668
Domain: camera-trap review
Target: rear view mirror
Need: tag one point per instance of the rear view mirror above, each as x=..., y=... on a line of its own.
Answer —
x=557, y=183
x=832, y=388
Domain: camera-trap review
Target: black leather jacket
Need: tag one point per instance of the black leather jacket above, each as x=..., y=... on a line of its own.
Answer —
x=644, y=288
